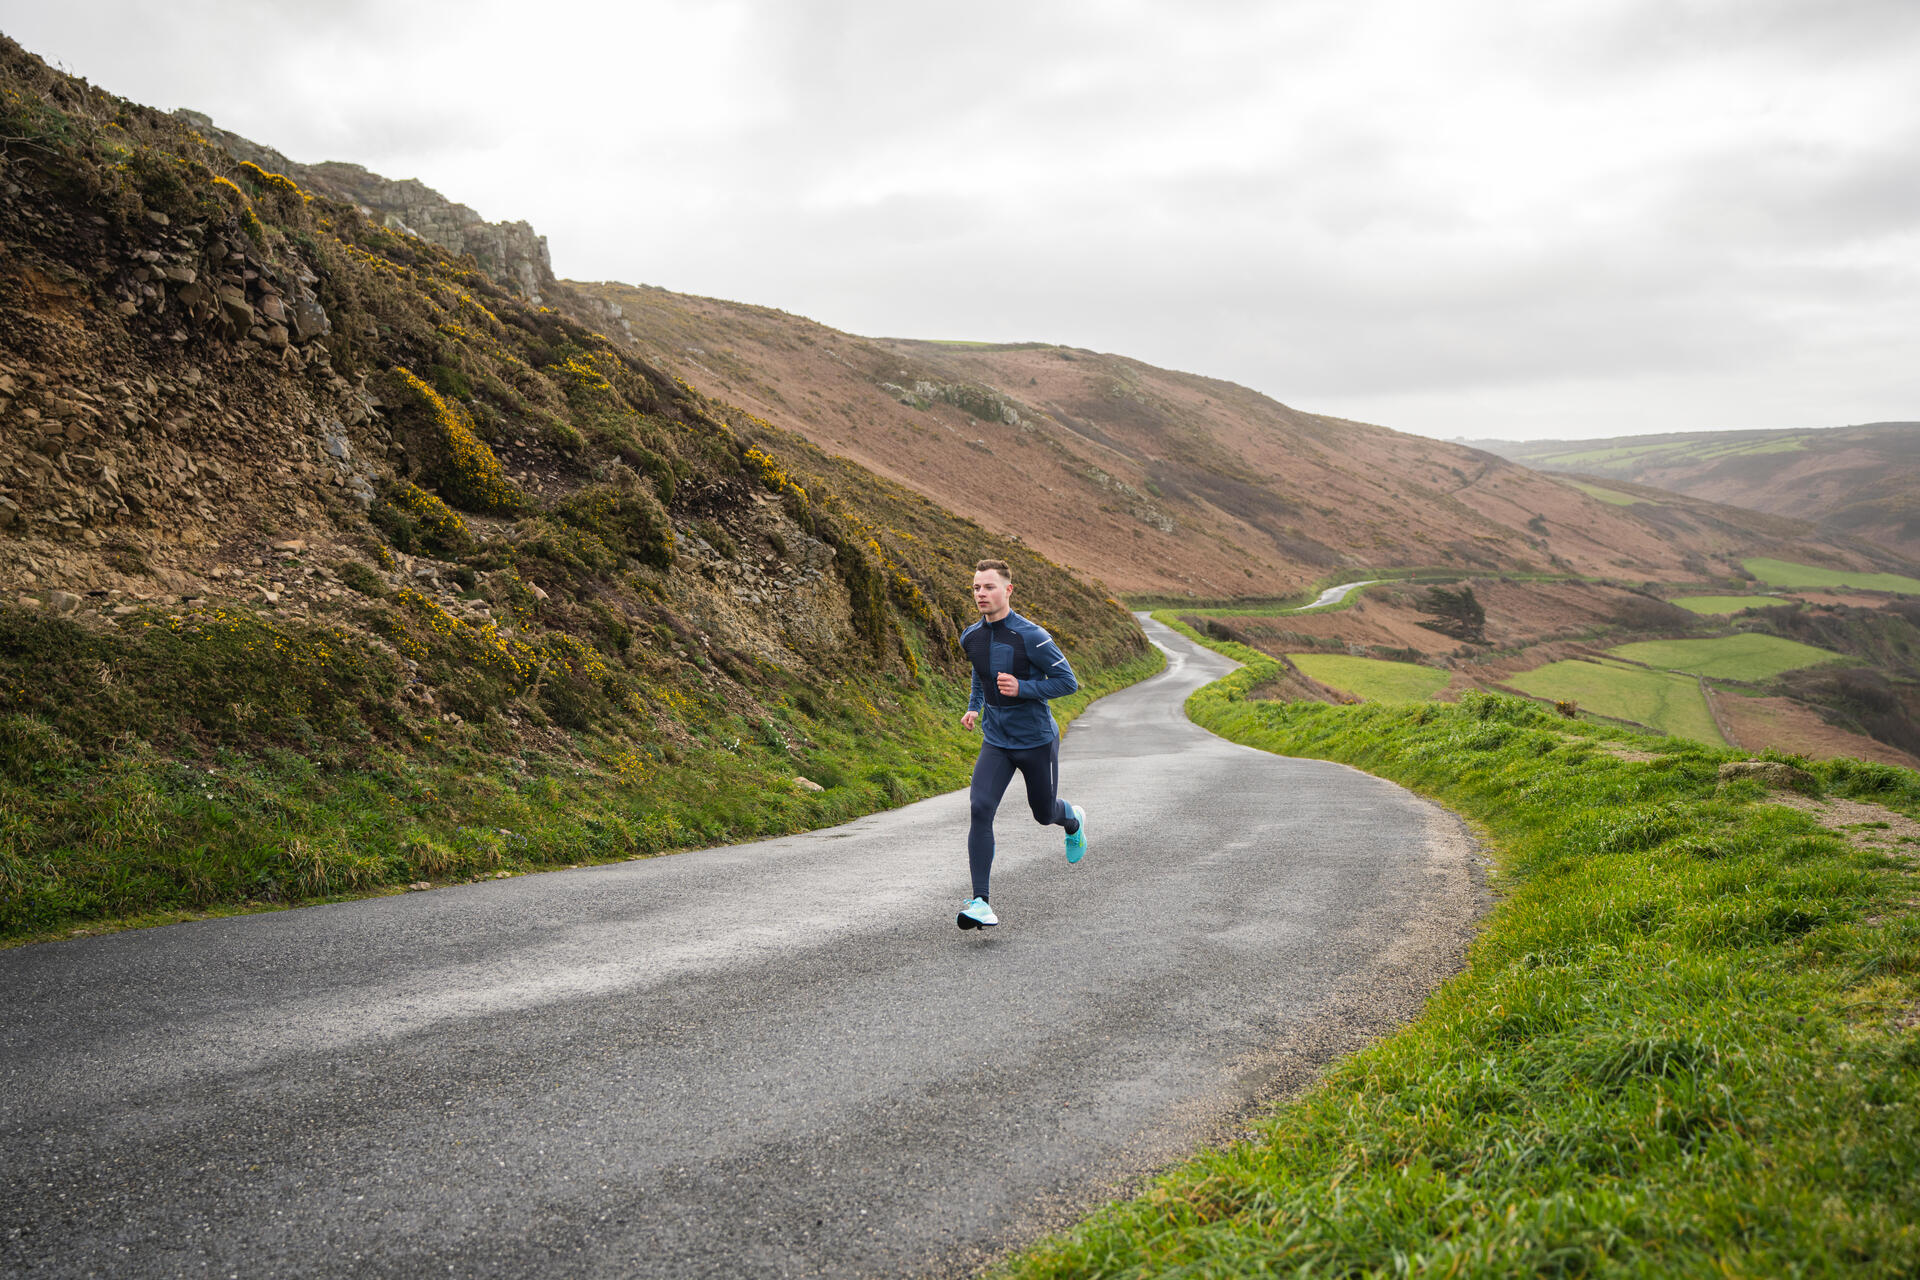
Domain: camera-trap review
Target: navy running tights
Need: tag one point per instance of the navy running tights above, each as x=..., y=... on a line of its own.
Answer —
x=991, y=774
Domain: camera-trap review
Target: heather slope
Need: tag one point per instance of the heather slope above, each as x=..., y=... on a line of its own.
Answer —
x=1159, y=482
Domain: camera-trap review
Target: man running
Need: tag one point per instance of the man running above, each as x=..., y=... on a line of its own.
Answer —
x=1016, y=668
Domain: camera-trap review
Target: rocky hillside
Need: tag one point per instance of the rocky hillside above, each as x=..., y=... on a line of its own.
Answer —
x=328, y=561
x=1160, y=482
x=1861, y=482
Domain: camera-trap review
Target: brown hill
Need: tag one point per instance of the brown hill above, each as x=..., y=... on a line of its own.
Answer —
x=1861, y=481
x=1155, y=481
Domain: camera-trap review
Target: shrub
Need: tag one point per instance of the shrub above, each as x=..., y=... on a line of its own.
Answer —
x=626, y=518
x=415, y=521
x=467, y=470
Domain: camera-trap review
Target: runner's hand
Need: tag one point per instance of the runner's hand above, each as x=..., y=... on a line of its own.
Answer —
x=1008, y=685
x=969, y=720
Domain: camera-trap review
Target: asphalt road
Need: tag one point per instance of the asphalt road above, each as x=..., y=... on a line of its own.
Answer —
x=776, y=1059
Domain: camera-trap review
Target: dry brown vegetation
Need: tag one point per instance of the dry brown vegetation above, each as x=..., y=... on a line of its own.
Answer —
x=1164, y=483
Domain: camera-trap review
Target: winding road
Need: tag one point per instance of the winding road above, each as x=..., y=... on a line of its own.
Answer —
x=775, y=1059
x=1334, y=595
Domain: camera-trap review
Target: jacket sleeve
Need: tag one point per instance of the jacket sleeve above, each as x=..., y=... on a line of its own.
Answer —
x=977, y=699
x=1057, y=680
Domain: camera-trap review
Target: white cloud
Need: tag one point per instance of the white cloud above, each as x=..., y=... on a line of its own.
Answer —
x=1474, y=218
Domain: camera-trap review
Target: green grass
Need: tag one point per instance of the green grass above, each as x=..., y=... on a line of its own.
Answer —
x=1664, y=453
x=1675, y=1050
x=1785, y=573
x=1372, y=678
x=1749, y=656
x=141, y=838
x=1662, y=700
x=1725, y=604
x=1612, y=497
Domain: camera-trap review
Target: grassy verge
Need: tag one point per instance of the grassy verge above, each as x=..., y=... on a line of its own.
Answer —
x=1678, y=1048
x=93, y=845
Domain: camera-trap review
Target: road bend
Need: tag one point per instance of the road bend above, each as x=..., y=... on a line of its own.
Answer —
x=771, y=1059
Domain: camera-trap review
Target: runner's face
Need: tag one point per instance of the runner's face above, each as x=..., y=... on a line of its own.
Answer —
x=991, y=593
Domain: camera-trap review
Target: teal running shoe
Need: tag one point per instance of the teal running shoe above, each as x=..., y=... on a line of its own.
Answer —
x=1077, y=842
x=976, y=914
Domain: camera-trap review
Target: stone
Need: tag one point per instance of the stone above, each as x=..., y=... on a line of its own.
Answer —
x=197, y=299
x=293, y=546
x=276, y=336
x=807, y=784
x=182, y=275
x=29, y=602
x=233, y=300
x=337, y=446
x=158, y=218
x=308, y=318
x=1775, y=775
x=270, y=307
x=62, y=601
x=425, y=572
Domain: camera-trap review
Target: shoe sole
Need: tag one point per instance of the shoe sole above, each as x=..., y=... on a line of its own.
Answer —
x=968, y=922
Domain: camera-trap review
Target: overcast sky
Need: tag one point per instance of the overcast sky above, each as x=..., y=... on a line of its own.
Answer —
x=1570, y=218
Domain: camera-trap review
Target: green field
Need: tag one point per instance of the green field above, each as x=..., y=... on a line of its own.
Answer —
x=1725, y=604
x=1372, y=678
x=1749, y=656
x=1612, y=497
x=1664, y=453
x=1664, y=700
x=1785, y=573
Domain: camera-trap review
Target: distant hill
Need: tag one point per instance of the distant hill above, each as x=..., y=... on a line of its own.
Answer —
x=1156, y=481
x=1862, y=481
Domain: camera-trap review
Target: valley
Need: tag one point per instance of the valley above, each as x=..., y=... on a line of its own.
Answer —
x=1859, y=481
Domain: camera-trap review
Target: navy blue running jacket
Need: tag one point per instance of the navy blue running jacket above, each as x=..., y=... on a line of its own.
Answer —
x=1024, y=648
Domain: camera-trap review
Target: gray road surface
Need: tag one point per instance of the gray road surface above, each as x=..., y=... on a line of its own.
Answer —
x=776, y=1059
x=1334, y=595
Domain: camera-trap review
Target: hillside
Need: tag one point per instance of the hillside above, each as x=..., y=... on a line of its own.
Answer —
x=329, y=562
x=1158, y=482
x=1861, y=481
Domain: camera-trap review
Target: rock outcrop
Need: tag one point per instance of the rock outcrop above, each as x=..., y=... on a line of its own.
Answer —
x=513, y=253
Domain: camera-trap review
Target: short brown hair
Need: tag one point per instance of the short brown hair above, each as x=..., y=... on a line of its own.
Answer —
x=997, y=566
